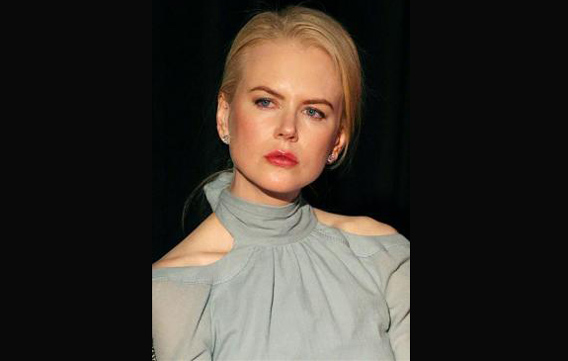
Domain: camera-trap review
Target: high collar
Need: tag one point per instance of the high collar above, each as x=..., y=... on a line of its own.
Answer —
x=255, y=223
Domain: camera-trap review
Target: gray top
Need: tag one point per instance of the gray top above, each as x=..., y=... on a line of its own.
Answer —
x=291, y=288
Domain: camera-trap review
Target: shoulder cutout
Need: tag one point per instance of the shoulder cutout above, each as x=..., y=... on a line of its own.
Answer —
x=367, y=226
x=359, y=225
x=194, y=259
x=208, y=243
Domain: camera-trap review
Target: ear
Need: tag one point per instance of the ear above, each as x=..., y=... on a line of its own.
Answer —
x=340, y=140
x=223, y=108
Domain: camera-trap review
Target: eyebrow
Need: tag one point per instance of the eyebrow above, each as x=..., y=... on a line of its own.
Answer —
x=280, y=96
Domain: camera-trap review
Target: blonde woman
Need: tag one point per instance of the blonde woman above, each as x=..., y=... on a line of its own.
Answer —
x=267, y=276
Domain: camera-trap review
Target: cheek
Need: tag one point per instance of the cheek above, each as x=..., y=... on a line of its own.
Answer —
x=322, y=142
x=249, y=136
x=245, y=128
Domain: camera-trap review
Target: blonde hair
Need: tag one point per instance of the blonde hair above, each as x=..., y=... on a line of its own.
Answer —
x=310, y=27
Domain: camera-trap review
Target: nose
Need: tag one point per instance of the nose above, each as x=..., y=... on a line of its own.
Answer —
x=287, y=128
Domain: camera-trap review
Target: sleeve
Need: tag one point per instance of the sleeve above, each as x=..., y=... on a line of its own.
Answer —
x=181, y=322
x=397, y=294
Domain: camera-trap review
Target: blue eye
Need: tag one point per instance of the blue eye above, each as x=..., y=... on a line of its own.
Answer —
x=315, y=111
x=263, y=100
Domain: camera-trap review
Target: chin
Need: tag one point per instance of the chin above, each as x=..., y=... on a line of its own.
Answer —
x=280, y=185
x=278, y=182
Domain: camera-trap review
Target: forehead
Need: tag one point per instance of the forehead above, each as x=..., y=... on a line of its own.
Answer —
x=292, y=69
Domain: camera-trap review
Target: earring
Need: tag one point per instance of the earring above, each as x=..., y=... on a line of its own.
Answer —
x=331, y=158
x=225, y=139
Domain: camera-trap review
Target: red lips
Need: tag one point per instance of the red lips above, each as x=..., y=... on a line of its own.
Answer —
x=282, y=158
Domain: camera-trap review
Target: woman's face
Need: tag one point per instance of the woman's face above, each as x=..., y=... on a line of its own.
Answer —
x=260, y=122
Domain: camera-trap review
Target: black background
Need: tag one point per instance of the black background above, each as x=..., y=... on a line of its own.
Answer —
x=77, y=129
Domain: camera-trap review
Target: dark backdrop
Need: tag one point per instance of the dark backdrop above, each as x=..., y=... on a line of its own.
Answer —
x=190, y=40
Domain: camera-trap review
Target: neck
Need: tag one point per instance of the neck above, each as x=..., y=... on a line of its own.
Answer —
x=246, y=189
x=254, y=223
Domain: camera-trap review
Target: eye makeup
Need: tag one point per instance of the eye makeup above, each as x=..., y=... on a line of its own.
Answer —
x=321, y=114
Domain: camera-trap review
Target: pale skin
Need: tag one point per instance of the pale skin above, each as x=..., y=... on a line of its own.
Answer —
x=259, y=122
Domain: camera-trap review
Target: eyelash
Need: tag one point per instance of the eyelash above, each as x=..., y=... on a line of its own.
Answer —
x=321, y=114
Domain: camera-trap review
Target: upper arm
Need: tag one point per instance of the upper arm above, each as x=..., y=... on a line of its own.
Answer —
x=390, y=267
x=181, y=327
x=397, y=293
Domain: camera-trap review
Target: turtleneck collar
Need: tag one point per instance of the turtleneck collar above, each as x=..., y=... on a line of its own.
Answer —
x=258, y=224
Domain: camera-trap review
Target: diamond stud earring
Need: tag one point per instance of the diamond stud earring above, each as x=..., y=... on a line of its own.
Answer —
x=331, y=158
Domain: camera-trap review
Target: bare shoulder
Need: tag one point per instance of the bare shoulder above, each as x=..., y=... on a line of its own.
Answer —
x=367, y=226
x=360, y=225
x=208, y=243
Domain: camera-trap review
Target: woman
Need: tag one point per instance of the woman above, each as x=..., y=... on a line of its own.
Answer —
x=266, y=276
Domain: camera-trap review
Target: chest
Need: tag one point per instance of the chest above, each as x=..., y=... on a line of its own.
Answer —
x=301, y=302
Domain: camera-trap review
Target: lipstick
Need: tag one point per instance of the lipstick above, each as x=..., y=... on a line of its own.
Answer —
x=281, y=158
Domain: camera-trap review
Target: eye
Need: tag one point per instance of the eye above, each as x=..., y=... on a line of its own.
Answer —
x=263, y=102
x=312, y=112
